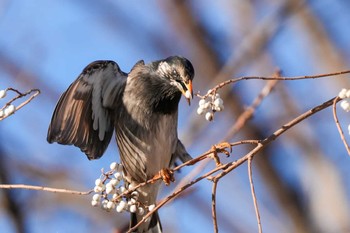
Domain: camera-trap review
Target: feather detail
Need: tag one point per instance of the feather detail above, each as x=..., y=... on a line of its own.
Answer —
x=82, y=116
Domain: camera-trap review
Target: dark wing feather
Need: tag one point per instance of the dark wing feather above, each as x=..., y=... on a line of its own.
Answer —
x=84, y=115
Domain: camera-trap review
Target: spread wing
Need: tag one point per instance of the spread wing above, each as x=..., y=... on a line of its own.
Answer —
x=84, y=115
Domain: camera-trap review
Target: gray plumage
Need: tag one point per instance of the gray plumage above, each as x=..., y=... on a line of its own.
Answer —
x=141, y=106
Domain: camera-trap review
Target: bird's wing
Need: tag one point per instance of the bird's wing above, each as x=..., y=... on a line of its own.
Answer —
x=84, y=115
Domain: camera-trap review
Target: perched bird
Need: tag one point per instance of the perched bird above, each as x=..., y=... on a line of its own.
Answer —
x=142, y=107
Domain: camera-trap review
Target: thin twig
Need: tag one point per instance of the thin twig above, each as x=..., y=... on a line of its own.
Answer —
x=338, y=125
x=234, y=80
x=19, y=95
x=213, y=205
x=42, y=188
x=250, y=175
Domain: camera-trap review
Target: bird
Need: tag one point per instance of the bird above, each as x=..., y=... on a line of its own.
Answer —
x=141, y=107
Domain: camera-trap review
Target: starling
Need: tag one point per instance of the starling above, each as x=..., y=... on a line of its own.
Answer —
x=142, y=107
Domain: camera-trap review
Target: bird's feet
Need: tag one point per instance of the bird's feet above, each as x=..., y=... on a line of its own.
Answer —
x=167, y=175
x=220, y=148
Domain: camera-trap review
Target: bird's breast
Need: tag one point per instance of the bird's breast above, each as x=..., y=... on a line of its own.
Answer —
x=146, y=140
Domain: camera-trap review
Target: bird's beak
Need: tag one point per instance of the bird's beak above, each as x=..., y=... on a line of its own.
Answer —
x=189, y=92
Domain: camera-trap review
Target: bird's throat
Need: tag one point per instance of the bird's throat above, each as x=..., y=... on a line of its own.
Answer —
x=166, y=104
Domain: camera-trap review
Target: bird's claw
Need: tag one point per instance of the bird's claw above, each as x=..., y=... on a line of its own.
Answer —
x=167, y=176
x=220, y=148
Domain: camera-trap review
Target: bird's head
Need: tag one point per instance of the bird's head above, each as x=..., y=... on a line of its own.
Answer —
x=179, y=72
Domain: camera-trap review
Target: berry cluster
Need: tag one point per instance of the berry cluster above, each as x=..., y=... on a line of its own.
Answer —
x=209, y=105
x=112, y=191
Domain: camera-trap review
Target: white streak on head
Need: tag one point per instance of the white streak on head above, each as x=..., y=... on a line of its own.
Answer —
x=164, y=68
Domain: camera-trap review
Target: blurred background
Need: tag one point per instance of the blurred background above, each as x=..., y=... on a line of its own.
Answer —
x=302, y=180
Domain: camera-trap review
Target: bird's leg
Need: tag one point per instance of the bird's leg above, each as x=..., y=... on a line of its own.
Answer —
x=215, y=156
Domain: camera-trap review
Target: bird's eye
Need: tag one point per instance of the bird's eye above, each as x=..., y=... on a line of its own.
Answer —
x=174, y=73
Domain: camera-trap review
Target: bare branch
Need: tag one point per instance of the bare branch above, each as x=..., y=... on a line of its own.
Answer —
x=234, y=80
x=213, y=205
x=42, y=188
x=19, y=95
x=338, y=125
x=257, y=213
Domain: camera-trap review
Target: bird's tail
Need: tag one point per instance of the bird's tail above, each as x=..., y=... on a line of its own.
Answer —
x=152, y=225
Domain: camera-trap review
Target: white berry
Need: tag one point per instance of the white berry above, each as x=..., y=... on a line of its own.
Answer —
x=9, y=110
x=132, y=201
x=200, y=110
x=96, y=197
x=342, y=93
x=98, y=189
x=110, y=205
x=113, y=166
x=207, y=105
x=122, y=189
x=218, y=102
x=121, y=206
x=94, y=203
x=131, y=186
x=202, y=102
x=109, y=185
x=135, y=194
x=151, y=207
x=104, y=204
x=132, y=208
x=118, y=176
x=114, y=182
x=347, y=94
x=345, y=105
x=2, y=94
x=98, y=182
x=209, y=116
x=218, y=108
x=109, y=189
x=114, y=197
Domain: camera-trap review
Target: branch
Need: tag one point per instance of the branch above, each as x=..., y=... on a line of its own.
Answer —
x=257, y=213
x=42, y=188
x=234, y=80
x=213, y=205
x=338, y=125
x=19, y=95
